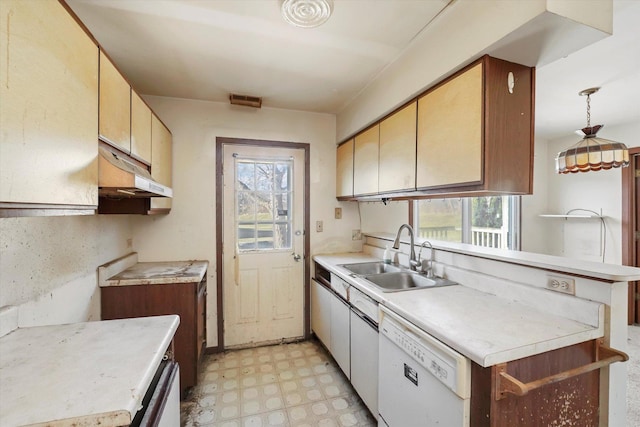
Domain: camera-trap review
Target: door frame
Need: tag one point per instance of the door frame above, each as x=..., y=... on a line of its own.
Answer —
x=629, y=226
x=221, y=142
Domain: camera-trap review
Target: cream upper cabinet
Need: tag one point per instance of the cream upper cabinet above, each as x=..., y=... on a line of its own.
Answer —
x=397, y=168
x=48, y=107
x=450, y=132
x=140, y=129
x=365, y=161
x=115, y=106
x=161, y=160
x=475, y=131
x=344, y=170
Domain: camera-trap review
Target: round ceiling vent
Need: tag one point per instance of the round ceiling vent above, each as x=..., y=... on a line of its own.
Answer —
x=306, y=13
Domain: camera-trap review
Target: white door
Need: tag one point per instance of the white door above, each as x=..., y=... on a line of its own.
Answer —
x=263, y=274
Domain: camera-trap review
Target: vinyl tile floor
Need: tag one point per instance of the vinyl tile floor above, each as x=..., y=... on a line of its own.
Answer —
x=294, y=385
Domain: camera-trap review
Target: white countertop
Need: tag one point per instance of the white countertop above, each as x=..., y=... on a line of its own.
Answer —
x=81, y=374
x=159, y=273
x=483, y=327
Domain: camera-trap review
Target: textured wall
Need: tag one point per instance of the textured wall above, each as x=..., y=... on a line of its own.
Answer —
x=48, y=265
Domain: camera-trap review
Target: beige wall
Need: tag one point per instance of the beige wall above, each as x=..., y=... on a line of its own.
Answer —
x=189, y=231
x=597, y=191
x=48, y=265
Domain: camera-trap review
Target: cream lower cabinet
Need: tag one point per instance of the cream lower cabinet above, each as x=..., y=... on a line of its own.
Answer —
x=340, y=334
x=48, y=108
x=397, y=162
x=364, y=360
x=161, y=162
x=365, y=161
x=321, y=312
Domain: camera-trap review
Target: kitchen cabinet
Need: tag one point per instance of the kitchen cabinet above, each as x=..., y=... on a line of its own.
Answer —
x=188, y=300
x=48, y=109
x=340, y=331
x=364, y=359
x=140, y=129
x=397, y=170
x=344, y=169
x=475, y=131
x=321, y=312
x=365, y=161
x=161, y=162
x=571, y=401
x=115, y=106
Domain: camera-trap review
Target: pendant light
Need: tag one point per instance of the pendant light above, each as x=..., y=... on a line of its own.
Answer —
x=592, y=153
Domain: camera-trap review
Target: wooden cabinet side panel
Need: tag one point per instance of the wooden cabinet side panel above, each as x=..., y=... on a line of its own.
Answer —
x=120, y=302
x=161, y=160
x=397, y=170
x=140, y=128
x=48, y=106
x=365, y=162
x=509, y=123
x=344, y=169
x=115, y=105
x=574, y=401
x=450, y=129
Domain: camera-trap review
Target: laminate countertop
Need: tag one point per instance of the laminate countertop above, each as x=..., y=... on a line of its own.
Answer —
x=81, y=374
x=159, y=273
x=485, y=328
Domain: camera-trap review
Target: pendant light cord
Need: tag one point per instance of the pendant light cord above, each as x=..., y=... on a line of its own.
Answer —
x=589, y=110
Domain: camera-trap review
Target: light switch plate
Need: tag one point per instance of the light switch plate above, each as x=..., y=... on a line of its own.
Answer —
x=319, y=227
x=338, y=213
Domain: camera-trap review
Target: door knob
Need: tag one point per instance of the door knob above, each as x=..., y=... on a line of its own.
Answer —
x=296, y=257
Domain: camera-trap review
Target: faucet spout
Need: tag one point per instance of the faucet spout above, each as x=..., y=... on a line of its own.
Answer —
x=396, y=244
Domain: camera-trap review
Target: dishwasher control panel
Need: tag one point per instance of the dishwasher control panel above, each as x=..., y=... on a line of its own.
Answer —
x=444, y=363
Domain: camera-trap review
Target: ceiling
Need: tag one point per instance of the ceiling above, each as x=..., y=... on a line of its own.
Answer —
x=207, y=49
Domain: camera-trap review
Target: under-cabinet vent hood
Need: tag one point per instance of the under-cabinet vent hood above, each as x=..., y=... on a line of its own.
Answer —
x=121, y=178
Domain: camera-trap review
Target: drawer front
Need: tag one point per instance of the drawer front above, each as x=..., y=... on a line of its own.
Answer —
x=340, y=287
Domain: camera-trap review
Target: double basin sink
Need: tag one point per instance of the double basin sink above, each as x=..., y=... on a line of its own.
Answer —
x=393, y=278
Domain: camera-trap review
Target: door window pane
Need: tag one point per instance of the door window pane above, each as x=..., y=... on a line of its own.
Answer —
x=263, y=204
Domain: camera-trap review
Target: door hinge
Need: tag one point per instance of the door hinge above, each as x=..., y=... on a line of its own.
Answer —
x=637, y=235
x=637, y=173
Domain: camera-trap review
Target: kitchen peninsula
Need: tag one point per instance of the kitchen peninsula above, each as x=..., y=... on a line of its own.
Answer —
x=504, y=312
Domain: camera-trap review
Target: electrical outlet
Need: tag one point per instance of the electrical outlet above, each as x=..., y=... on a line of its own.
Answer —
x=338, y=213
x=561, y=284
x=319, y=227
x=356, y=235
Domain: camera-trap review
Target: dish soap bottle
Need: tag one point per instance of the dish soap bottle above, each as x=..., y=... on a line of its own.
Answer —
x=386, y=257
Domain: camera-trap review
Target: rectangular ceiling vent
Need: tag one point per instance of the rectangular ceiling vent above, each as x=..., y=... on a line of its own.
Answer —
x=247, y=101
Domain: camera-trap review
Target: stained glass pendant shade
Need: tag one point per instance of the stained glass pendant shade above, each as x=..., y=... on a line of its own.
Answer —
x=592, y=153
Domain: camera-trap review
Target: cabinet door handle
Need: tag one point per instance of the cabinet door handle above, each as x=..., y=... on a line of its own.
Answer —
x=505, y=383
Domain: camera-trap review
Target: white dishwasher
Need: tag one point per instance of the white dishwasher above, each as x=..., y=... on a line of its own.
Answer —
x=422, y=382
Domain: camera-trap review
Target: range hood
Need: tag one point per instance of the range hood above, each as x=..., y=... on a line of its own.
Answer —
x=121, y=178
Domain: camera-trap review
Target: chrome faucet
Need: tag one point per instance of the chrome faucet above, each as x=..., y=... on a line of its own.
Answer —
x=413, y=263
x=425, y=244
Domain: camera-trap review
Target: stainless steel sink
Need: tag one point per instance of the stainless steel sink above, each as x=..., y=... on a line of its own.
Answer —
x=376, y=267
x=404, y=281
